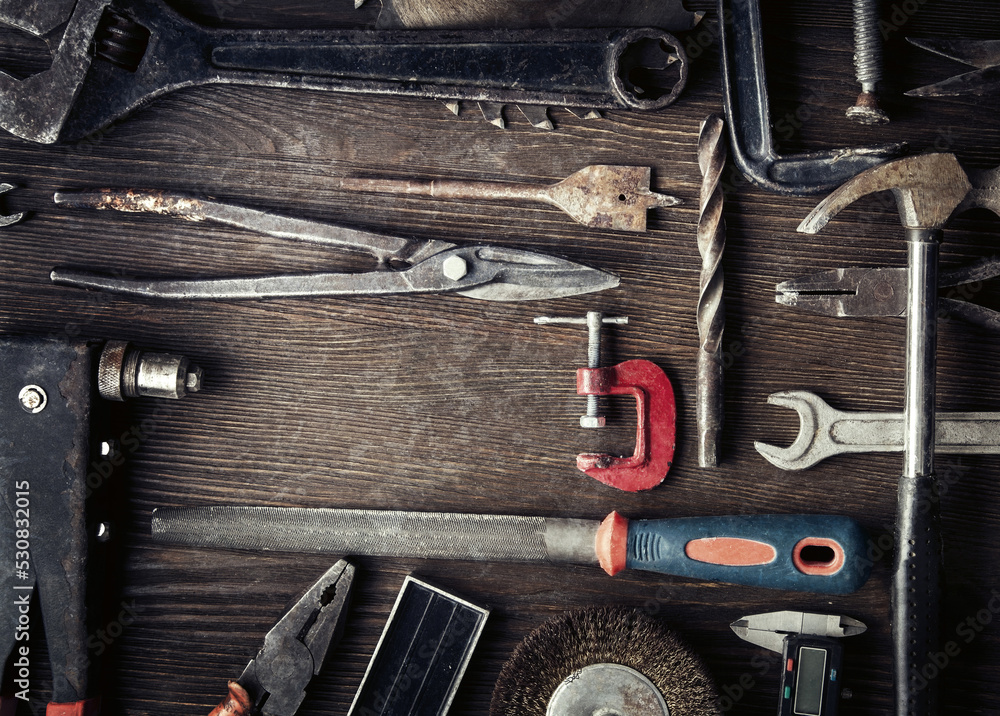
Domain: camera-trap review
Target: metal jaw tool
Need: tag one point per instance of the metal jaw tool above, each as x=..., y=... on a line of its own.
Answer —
x=744, y=84
x=982, y=54
x=811, y=655
x=482, y=271
x=55, y=454
x=656, y=412
x=928, y=189
x=113, y=56
x=274, y=682
x=876, y=292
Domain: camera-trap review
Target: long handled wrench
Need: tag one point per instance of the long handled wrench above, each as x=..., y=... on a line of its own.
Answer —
x=928, y=189
x=825, y=431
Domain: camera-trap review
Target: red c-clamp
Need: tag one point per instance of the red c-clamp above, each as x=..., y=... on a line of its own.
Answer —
x=655, y=408
x=656, y=415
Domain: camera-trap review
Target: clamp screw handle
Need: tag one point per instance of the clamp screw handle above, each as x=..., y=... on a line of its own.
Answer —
x=593, y=320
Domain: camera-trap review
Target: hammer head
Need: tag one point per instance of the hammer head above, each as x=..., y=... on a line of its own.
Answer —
x=928, y=188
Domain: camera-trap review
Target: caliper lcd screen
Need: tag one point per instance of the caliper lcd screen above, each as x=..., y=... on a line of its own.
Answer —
x=809, y=682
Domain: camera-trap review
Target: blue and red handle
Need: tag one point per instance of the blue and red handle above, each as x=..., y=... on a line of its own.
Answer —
x=826, y=554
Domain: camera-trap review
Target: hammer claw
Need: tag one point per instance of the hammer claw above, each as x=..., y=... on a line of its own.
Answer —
x=928, y=188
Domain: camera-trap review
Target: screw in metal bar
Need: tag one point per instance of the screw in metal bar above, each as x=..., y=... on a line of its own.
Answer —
x=594, y=320
x=867, y=63
x=33, y=399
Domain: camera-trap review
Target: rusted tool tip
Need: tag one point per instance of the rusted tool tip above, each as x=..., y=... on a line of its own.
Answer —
x=867, y=110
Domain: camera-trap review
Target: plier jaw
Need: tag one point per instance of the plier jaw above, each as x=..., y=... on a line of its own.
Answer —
x=844, y=292
x=274, y=681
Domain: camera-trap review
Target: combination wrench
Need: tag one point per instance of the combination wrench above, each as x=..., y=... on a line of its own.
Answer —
x=825, y=431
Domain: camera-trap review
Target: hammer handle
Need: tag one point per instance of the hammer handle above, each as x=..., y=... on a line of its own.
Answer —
x=916, y=591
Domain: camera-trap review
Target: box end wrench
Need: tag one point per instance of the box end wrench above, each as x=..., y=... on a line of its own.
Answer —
x=825, y=431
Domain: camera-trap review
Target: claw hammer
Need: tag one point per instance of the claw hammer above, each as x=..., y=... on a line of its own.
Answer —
x=927, y=188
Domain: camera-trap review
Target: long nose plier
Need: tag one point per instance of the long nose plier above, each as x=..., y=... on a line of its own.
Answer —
x=872, y=292
x=406, y=266
x=274, y=682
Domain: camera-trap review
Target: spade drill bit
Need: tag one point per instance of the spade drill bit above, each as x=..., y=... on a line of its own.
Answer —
x=712, y=153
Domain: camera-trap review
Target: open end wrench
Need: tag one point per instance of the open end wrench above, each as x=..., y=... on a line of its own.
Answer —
x=825, y=432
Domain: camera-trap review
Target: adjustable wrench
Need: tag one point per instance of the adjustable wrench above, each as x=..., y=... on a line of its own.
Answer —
x=826, y=431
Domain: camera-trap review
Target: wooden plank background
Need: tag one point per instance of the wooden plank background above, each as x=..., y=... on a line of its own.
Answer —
x=448, y=403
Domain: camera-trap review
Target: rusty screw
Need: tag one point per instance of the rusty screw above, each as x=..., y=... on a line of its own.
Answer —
x=867, y=63
x=594, y=320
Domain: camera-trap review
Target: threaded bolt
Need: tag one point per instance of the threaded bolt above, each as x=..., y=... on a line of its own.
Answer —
x=867, y=63
x=594, y=320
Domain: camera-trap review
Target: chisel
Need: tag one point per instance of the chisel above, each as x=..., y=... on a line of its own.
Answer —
x=812, y=553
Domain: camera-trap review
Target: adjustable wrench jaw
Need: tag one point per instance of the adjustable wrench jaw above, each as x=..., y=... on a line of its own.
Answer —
x=37, y=108
x=37, y=17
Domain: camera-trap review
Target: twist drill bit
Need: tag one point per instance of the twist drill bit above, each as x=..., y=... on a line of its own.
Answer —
x=712, y=152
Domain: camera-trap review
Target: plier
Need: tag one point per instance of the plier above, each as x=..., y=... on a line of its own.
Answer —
x=406, y=266
x=982, y=54
x=274, y=682
x=870, y=292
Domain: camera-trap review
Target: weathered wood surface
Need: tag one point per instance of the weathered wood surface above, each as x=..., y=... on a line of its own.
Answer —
x=447, y=403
